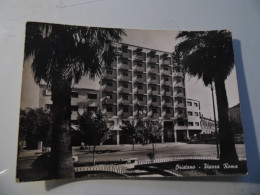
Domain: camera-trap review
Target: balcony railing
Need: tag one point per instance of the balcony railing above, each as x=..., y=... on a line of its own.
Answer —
x=155, y=71
x=179, y=95
x=178, y=74
x=180, y=105
x=166, y=93
x=108, y=76
x=179, y=84
x=153, y=60
x=125, y=66
x=176, y=115
x=126, y=55
x=139, y=69
x=140, y=57
x=166, y=82
x=165, y=72
x=121, y=77
x=167, y=62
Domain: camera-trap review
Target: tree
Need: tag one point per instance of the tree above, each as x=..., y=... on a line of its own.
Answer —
x=94, y=128
x=153, y=131
x=209, y=56
x=35, y=125
x=62, y=55
x=130, y=130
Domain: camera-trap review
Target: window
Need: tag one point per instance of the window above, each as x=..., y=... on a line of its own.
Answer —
x=48, y=106
x=109, y=84
x=139, y=64
x=190, y=113
x=109, y=72
x=92, y=108
x=125, y=74
x=168, y=111
x=180, y=123
x=139, y=76
x=180, y=111
x=196, y=114
x=179, y=101
x=92, y=96
x=189, y=103
x=197, y=124
x=74, y=94
x=154, y=99
x=154, y=110
x=152, y=67
x=166, y=79
x=140, y=98
x=179, y=90
x=153, y=77
x=74, y=108
x=140, y=87
x=125, y=109
x=167, y=89
x=109, y=109
x=196, y=104
x=153, y=88
x=165, y=68
x=125, y=85
x=178, y=81
x=167, y=100
x=190, y=123
x=125, y=97
x=125, y=62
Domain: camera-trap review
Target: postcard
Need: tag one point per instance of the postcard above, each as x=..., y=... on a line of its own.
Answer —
x=127, y=103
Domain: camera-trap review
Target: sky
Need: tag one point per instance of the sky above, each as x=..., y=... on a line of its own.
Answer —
x=154, y=39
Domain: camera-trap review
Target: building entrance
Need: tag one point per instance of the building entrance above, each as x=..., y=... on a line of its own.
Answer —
x=168, y=131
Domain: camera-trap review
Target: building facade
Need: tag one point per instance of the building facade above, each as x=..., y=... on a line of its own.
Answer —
x=141, y=83
x=207, y=126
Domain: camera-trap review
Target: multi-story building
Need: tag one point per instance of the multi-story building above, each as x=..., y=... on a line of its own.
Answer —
x=144, y=83
x=141, y=83
x=207, y=125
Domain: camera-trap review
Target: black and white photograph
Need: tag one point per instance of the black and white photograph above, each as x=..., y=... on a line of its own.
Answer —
x=127, y=103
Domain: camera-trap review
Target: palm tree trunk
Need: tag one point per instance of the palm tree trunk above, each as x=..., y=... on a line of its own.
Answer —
x=226, y=136
x=61, y=113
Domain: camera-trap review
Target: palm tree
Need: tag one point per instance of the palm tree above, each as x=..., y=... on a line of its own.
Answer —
x=209, y=56
x=62, y=55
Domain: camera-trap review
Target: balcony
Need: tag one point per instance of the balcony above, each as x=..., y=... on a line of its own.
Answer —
x=166, y=72
x=167, y=115
x=140, y=57
x=112, y=76
x=140, y=91
x=153, y=60
x=126, y=55
x=125, y=66
x=169, y=83
x=140, y=80
x=154, y=92
x=121, y=77
x=166, y=62
x=180, y=105
x=139, y=68
x=140, y=111
x=154, y=81
x=166, y=93
x=177, y=115
x=180, y=84
x=140, y=103
x=107, y=88
x=122, y=89
x=167, y=104
x=181, y=95
x=178, y=74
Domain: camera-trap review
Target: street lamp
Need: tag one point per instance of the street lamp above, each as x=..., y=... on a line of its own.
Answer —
x=215, y=120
